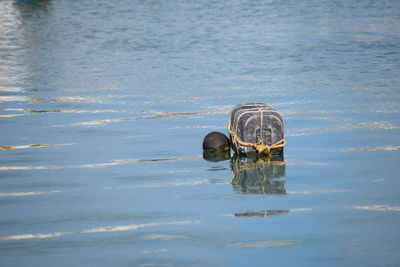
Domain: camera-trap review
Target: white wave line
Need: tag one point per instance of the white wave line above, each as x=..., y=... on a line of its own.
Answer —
x=377, y=208
x=96, y=230
x=23, y=194
x=133, y=227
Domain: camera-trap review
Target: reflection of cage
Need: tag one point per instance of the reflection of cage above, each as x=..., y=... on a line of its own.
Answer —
x=252, y=175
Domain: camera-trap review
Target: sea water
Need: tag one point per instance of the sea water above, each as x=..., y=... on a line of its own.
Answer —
x=104, y=106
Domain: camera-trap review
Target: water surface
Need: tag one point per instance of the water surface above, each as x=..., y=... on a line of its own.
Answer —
x=104, y=105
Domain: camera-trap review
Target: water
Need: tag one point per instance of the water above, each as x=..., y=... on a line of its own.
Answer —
x=104, y=105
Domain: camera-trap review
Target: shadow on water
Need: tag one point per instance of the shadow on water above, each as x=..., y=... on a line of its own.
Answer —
x=252, y=175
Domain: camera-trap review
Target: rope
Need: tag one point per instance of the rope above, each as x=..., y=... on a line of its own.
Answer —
x=260, y=146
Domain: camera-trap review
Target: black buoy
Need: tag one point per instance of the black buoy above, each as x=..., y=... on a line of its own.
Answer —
x=215, y=142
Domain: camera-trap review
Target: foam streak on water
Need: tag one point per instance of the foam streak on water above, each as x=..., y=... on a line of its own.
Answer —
x=95, y=230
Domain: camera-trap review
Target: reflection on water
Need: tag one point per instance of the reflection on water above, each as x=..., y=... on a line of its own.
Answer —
x=260, y=213
x=103, y=106
x=252, y=175
x=216, y=156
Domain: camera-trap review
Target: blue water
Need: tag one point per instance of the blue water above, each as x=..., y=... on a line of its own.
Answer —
x=103, y=110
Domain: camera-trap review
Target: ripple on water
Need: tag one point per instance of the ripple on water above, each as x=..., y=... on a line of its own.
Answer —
x=377, y=208
x=260, y=244
x=379, y=148
x=78, y=111
x=96, y=165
